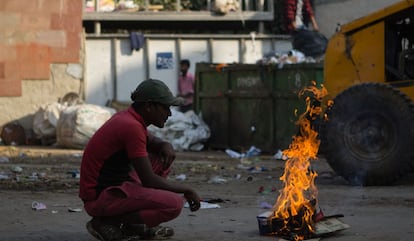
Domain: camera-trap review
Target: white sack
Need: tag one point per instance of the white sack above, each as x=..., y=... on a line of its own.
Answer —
x=78, y=123
x=185, y=131
x=46, y=118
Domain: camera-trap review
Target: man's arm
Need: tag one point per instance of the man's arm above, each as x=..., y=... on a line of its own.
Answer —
x=148, y=178
x=314, y=24
x=310, y=13
x=162, y=149
x=153, y=142
x=289, y=14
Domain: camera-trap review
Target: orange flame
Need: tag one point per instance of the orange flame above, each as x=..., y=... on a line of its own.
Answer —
x=299, y=195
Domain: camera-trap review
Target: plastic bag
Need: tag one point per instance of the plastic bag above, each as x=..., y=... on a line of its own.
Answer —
x=78, y=123
x=185, y=131
x=311, y=43
x=45, y=120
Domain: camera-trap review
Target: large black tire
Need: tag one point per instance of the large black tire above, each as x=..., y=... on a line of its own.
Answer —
x=368, y=137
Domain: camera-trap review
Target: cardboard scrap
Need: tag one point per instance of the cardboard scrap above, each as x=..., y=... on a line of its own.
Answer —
x=329, y=225
x=325, y=227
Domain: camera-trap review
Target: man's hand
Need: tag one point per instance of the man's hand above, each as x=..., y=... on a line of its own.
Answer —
x=193, y=200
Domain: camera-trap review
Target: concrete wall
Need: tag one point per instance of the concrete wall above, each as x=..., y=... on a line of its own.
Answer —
x=113, y=71
x=38, y=39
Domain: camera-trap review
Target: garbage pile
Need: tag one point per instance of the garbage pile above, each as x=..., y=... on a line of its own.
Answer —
x=291, y=57
x=185, y=131
x=307, y=47
x=69, y=126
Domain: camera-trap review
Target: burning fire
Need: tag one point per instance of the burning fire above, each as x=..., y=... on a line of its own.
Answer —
x=295, y=206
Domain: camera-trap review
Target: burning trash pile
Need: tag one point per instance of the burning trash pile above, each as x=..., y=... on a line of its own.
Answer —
x=295, y=215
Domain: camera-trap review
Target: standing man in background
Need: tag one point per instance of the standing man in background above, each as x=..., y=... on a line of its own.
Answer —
x=298, y=14
x=186, y=83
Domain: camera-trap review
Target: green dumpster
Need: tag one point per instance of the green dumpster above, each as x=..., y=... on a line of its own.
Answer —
x=252, y=105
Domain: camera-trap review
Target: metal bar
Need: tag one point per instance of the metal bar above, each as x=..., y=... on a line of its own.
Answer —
x=178, y=7
x=114, y=58
x=97, y=7
x=178, y=51
x=146, y=59
x=242, y=51
x=270, y=6
x=147, y=3
x=210, y=49
x=196, y=36
x=184, y=16
x=97, y=27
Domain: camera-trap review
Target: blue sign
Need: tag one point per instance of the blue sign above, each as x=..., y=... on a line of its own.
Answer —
x=165, y=61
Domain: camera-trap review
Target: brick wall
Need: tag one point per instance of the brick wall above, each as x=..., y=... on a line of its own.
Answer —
x=34, y=34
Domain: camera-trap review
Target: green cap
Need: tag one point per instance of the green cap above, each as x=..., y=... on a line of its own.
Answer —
x=153, y=90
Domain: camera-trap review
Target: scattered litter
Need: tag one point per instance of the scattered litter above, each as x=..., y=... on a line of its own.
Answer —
x=266, y=190
x=33, y=177
x=233, y=154
x=257, y=169
x=55, y=211
x=16, y=169
x=74, y=173
x=280, y=156
x=75, y=210
x=217, y=180
x=4, y=159
x=249, y=178
x=181, y=177
x=77, y=155
x=242, y=167
x=38, y=206
x=253, y=151
x=4, y=176
x=237, y=176
x=266, y=205
x=246, y=162
x=204, y=205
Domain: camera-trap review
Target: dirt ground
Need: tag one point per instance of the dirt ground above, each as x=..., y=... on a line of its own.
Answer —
x=48, y=176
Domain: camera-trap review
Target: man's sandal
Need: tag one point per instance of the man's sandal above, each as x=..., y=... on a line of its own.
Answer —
x=142, y=232
x=104, y=232
x=161, y=232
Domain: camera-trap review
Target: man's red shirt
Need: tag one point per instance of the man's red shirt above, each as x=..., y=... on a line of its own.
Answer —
x=106, y=158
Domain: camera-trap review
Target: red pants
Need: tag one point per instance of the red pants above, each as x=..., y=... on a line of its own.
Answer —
x=153, y=206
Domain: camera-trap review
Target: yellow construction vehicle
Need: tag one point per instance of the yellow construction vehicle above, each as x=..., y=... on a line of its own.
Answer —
x=368, y=136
